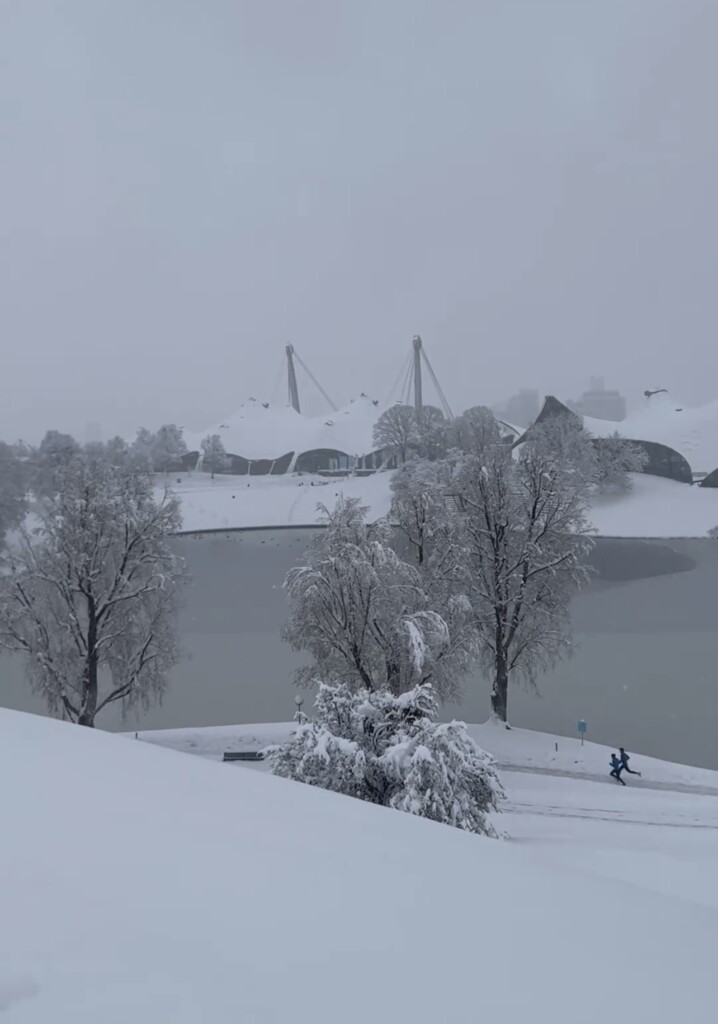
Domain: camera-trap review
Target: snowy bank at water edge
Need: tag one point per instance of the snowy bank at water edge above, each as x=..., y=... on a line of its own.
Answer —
x=240, y=502
x=143, y=885
x=653, y=508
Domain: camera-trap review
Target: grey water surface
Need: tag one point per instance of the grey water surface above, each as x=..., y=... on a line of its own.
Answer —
x=644, y=674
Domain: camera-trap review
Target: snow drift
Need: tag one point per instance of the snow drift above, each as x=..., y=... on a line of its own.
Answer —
x=147, y=886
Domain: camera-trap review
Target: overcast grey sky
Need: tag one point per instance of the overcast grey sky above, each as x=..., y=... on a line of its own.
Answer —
x=186, y=185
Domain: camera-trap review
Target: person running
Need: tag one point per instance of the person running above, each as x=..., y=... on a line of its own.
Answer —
x=624, y=763
x=616, y=769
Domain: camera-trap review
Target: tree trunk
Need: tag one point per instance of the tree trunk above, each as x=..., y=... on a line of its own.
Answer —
x=88, y=708
x=500, y=691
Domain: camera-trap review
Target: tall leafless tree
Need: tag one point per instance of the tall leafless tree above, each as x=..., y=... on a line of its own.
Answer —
x=88, y=594
x=526, y=540
x=396, y=432
x=13, y=486
x=214, y=457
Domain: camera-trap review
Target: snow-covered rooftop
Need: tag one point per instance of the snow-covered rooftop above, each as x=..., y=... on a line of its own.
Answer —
x=692, y=432
x=262, y=431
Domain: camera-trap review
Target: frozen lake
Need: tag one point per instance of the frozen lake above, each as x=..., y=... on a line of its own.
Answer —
x=644, y=675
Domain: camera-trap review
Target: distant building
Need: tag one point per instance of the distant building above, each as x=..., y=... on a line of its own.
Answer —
x=521, y=409
x=600, y=403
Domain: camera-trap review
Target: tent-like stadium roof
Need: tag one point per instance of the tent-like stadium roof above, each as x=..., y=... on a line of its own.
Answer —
x=261, y=431
x=692, y=432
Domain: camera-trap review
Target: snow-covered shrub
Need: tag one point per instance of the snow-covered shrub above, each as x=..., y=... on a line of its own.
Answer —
x=444, y=775
x=316, y=756
x=389, y=750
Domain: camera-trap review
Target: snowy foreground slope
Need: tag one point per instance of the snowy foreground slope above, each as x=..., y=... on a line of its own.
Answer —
x=147, y=886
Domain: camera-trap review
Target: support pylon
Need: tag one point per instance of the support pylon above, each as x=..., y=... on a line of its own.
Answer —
x=418, y=395
x=292, y=376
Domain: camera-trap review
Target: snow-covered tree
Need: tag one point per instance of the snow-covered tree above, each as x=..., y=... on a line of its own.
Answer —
x=615, y=459
x=169, y=448
x=145, y=444
x=49, y=461
x=713, y=533
x=526, y=542
x=570, y=447
x=13, y=485
x=396, y=432
x=475, y=431
x=389, y=750
x=88, y=595
x=432, y=434
x=214, y=457
x=427, y=533
x=422, y=506
x=605, y=462
x=362, y=615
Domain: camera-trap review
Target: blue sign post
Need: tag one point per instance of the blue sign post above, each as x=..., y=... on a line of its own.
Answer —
x=582, y=727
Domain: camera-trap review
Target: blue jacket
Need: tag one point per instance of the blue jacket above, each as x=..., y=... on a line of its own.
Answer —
x=615, y=763
x=624, y=759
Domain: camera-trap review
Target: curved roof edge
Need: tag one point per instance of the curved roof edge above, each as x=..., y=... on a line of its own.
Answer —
x=663, y=460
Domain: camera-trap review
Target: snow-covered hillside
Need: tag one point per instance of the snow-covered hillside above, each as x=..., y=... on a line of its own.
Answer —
x=147, y=886
x=653, y=508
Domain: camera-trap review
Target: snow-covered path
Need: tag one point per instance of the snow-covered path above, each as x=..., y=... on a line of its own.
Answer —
x=515, y=750
x=556, y=797
x=633, y=782
x=661, y=840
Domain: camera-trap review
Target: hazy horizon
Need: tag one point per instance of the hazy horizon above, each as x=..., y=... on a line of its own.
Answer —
x=186, y=188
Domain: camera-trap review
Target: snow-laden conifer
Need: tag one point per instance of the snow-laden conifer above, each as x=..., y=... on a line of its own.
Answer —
x=389, y=750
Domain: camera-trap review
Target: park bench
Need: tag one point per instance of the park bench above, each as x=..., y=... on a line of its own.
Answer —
x=243, y=755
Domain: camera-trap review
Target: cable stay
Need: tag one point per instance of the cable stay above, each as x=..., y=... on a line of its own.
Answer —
x=280, y=374
x=442, y=397
x=313, y=379
x=401, y=375
x=408, y=383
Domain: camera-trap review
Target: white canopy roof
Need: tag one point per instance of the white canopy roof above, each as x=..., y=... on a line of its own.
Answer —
x=692, y=432
x=259, y=431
